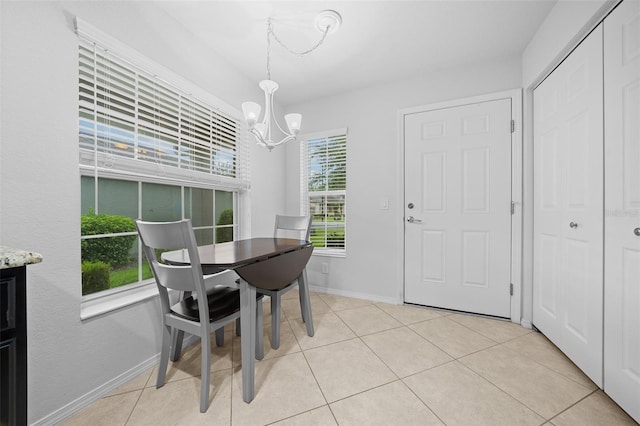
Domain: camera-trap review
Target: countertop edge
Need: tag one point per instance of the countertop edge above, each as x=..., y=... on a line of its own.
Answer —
x=15, y=258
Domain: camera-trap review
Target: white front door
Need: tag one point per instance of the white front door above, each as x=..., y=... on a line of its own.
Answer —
x=622, y=207
x=458, y=207
x=568, y=206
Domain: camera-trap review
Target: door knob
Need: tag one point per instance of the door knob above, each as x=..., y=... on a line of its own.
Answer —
x=573, y=225
x=637, y=231
x=412, y=219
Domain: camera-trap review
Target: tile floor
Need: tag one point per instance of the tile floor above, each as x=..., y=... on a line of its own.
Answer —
x=372, y=364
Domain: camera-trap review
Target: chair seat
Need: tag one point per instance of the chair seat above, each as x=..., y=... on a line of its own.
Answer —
x=223, y=301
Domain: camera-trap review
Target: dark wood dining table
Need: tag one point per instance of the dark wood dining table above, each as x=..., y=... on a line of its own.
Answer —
x=266, y=263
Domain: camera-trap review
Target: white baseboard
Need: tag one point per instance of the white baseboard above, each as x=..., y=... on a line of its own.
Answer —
x=89, y=398
x=526, y=324
x=356, y=295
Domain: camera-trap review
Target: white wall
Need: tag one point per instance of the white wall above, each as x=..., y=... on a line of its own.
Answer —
x=40, y=185
x=373, y=267
x=568, y=22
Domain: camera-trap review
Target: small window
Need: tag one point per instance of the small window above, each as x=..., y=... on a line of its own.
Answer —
x=324, y=190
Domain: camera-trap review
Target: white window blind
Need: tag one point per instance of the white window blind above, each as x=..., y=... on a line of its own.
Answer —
x=134, y=120
x=324, y=189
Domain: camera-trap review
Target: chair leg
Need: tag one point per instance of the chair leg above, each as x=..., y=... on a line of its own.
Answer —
x=164, y=355
x=301, y=298
x=177, y=338
x=305, y=302
x=238, y=328
x=178, y=335
x=220, y=336
x=205, y=373
x=275, y=320
x=259, y=331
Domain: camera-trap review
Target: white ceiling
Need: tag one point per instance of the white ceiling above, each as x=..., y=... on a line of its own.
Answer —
x=379, y=41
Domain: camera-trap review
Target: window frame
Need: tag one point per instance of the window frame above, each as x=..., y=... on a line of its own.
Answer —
x=91, y=163
x=305, y=194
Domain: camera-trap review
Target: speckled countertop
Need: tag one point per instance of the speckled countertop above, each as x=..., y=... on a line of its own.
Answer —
x=13, y=258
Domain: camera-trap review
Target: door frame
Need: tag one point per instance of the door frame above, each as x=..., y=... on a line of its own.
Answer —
x=515, y=95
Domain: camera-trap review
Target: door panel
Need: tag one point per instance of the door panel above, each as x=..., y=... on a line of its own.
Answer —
x=548, y=283
x=458, y=177
x=435, y=181
x=568, y=206
x=622, y=207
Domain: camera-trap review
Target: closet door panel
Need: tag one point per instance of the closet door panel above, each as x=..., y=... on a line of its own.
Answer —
x=622, y=207
x=568, y=206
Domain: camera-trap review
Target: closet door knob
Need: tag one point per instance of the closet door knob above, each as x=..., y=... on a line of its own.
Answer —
x=573, y=225
x=637, y=231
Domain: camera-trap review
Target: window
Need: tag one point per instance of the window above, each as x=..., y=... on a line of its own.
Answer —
x=149, y=149
x=324, y=189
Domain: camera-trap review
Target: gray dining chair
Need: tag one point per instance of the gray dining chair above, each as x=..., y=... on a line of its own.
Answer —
x=222, y=304
x=298, y=227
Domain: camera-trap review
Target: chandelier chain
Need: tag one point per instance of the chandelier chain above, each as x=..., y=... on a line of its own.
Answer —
x=271, y=33
x=269, y=30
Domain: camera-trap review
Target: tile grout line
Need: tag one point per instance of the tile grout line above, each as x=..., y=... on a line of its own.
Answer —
x=573, y=405
x=304, y=355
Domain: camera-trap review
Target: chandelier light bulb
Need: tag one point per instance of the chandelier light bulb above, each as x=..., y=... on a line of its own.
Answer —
x=251, y=111
x=294, y=121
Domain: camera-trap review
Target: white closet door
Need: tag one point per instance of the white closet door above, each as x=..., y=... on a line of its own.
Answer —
x=568, y=206
x=622, y=207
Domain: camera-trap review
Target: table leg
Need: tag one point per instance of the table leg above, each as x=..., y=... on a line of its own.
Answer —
x=248, y=324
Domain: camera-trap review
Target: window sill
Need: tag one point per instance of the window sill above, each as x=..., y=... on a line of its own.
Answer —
x=329, y=253
x=94, y=307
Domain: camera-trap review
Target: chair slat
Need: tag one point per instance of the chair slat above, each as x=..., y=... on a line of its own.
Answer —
x=174, y=277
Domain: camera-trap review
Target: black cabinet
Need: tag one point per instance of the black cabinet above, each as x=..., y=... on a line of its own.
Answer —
x=13, y=346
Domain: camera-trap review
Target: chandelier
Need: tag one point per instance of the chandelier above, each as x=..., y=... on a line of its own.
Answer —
x=326, y=22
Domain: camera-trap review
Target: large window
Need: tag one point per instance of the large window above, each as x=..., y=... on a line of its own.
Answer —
x=150, y=149
x=111, y=257
x=324, y=189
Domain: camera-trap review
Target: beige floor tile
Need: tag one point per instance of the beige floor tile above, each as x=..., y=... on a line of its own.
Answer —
x=288, y=343
x=137, y=383
x=538, y=348
x=189, y=363
x=328, y=328
x=285, y=387
x=291, y=307
x=497, y=330
x=540, y=388
x=404, y=351
x=338, y=303
x=595, y=410
x=346, y=368
x=319, y=417
x=178, y=403
x=458, y=396
x=367, y=320
x=410, y=314
x=293, y=294
x=453, y=338
x=391, y=404
x=108, y=411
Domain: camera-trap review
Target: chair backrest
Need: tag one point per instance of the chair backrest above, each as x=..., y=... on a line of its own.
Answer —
x=173, y=236
x=299, y=225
